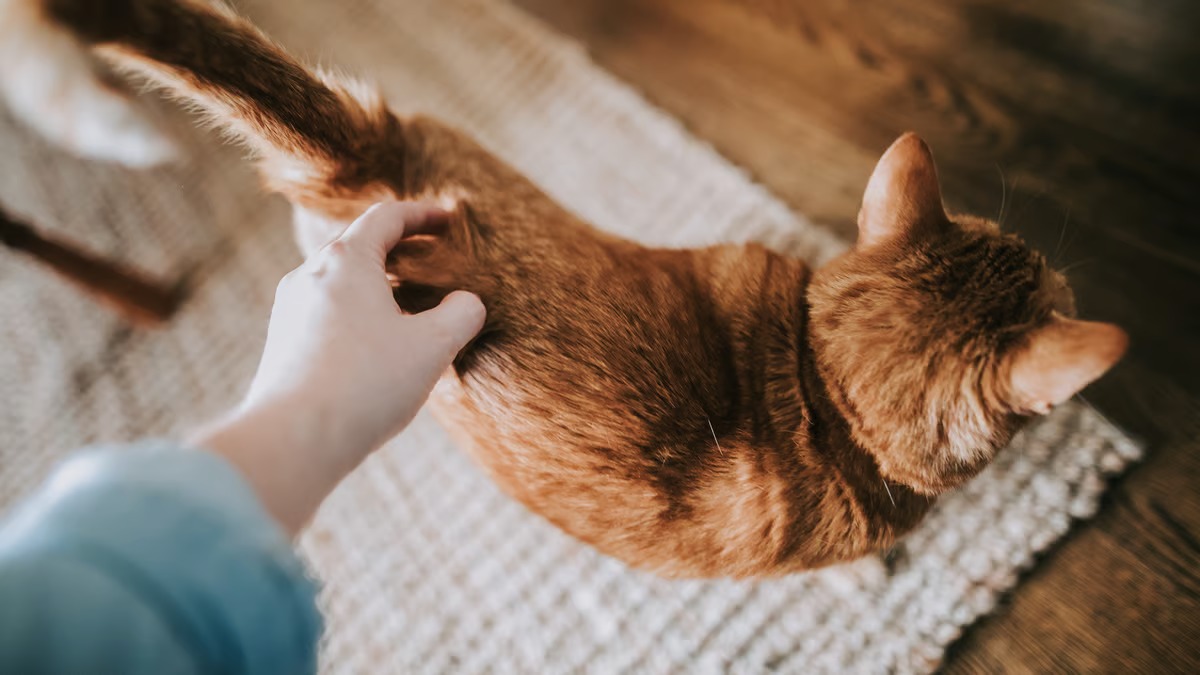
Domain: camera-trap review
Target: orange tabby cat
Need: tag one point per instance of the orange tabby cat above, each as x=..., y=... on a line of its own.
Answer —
x=716, y=412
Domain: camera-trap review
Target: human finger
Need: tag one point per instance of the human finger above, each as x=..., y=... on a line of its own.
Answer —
x=452, y=324
x=381, y=227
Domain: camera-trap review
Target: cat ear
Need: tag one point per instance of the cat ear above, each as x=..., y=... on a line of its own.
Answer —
x=1063, y=357
x=902, y=195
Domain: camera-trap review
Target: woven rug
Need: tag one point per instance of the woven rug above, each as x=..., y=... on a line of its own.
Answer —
x=427, y=568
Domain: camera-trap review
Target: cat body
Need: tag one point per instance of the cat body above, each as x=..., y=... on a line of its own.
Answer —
x=724, y=411
x=661, y=405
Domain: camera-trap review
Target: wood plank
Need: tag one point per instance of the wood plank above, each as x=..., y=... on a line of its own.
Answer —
x=809, y=117
x=1122, y=594
x=1072, y=119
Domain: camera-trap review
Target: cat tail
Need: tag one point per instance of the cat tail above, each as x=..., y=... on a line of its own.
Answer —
x=321, y=140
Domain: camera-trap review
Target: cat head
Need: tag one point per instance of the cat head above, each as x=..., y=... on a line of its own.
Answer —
x=937, y=335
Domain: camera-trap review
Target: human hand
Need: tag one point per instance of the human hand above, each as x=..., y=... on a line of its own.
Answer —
x=343, y=368
x=340, y=351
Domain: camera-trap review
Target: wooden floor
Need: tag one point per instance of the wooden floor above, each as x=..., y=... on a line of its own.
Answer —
x=1077, y=121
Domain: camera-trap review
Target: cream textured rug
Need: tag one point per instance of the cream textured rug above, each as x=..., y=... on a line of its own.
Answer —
x=427, y=567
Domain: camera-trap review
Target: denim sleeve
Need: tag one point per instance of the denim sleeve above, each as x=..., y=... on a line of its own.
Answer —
x=151, y=559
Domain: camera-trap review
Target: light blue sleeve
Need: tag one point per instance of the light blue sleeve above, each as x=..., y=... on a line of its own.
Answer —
x=151, y=559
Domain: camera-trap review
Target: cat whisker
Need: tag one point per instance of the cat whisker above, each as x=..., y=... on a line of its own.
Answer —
x=1061, y=235
x=1070, y=241
x=1003, y=195
x=889, y=492
x=1079, y=263
x=714, y=434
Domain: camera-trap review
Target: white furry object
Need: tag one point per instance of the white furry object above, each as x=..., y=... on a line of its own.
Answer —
x=52, y=83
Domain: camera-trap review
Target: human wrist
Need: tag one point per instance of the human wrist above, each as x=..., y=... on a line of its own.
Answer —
x=314, y=421
x=285, y=451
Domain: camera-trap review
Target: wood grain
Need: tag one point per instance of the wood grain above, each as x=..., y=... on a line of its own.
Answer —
x=1074, y=123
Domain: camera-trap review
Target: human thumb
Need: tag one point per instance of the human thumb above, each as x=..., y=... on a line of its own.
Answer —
x=453, y=323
